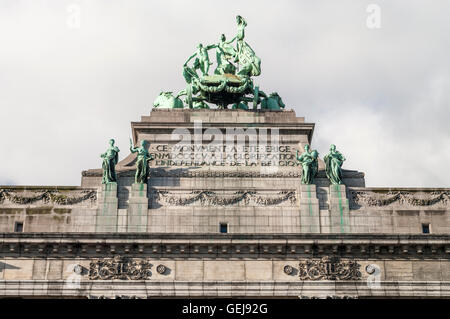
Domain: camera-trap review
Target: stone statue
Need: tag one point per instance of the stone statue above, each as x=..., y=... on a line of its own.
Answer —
x=202, y=58
x=272, y=102
x=310, y=165
x=166, y=100
x=110, y=159
x=143, y=157
x=333, y=161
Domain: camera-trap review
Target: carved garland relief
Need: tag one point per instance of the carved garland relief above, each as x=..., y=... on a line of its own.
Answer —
x=369, y=198
x=326, y=268
x=209, y=198
x=53, y=196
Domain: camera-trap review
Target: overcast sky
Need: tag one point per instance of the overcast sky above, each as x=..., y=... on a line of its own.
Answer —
x=382, y=95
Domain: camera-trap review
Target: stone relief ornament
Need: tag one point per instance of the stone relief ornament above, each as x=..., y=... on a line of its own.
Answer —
x=370, y=269
x=329, y=268
x=209, y=198
x=371, y=198
x=161, y=269
x=288, y=270
x=47, y=196
x=120, y=268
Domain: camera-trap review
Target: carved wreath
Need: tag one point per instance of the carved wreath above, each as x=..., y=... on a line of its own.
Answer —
x=120, y=268
x=329, y=268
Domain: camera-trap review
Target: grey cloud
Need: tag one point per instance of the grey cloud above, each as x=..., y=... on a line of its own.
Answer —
x=381, y=95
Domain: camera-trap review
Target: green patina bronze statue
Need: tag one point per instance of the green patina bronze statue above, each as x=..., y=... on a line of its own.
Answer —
x=202, y=58
x=143, y=157
x=224, y=53
x=241, y=106
x=333, y=161
x=110, y=159
x=231, y=82
x=272, y=102
x=249, y=62
x=310, y=165
x=166, y=100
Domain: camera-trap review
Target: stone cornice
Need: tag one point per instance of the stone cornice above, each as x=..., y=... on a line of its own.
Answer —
x=186, y=172
x=284, y=289
x=224, y=246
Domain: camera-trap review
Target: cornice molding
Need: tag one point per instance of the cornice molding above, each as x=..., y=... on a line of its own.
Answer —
x=226, y=246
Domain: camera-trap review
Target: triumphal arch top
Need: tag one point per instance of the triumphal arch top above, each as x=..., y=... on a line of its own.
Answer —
x=223, y=194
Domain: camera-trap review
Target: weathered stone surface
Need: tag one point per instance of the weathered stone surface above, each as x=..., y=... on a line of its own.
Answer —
x=273, y=224
x=107, y=214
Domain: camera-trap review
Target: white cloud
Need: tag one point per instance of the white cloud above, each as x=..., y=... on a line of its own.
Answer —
x=381, y=95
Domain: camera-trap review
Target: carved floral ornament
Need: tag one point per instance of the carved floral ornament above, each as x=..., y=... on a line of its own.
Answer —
x=326, y=268
x=48, y=196
x=370, y=198
x=122, y=268
x=209, y=198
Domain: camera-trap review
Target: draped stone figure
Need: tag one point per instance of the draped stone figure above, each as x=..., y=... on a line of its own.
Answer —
x=333, y=161
x=110, y=159
x=143, y=157
x=310, y=165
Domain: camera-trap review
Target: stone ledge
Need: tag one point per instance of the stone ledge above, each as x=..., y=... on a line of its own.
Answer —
x=252, y=236
x=123, y=171
x=280, y=289
x=226, y=246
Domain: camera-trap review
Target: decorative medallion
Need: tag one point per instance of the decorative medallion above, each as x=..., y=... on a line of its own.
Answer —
x=288, y=270
x=329, y=268
x=370, y=269
x=120, y=268
x=78, y=269
x=161, y=269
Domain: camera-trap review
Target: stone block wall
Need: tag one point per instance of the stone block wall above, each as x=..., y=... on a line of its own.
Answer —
x=351, y=266
x=247, y=198
x=260, y=205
